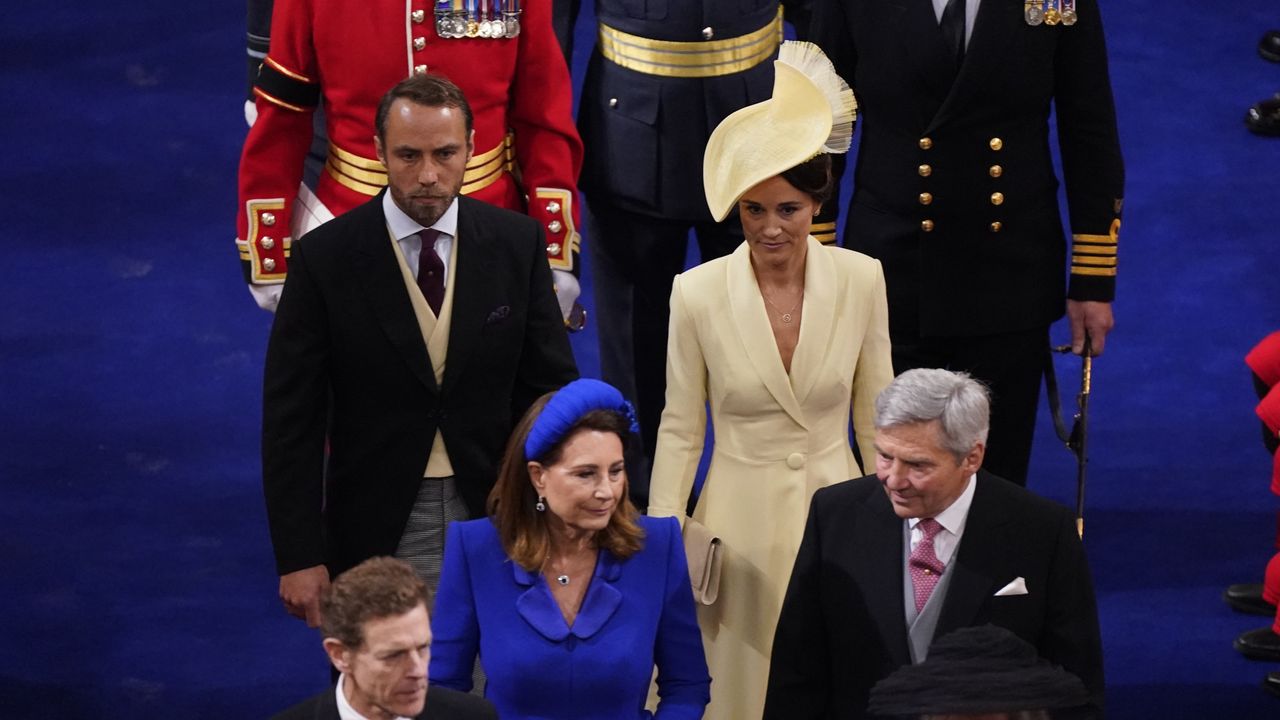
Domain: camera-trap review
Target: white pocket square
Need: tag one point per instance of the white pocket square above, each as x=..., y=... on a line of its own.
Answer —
x=1017, y=587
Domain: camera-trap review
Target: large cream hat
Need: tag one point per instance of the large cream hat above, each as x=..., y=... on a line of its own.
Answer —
x=812, y=110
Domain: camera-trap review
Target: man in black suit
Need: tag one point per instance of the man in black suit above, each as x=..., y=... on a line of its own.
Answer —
x=378, y=635
x=929, y=544
x=955, y=191
x=416, y=329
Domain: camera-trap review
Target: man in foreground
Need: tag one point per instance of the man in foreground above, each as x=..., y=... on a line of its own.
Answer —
x=929, y=544
x=377, y=634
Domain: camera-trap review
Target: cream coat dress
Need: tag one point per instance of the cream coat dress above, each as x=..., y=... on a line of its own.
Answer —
x=778, y=437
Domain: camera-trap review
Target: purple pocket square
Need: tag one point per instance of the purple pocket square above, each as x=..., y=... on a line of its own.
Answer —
x=499, y=314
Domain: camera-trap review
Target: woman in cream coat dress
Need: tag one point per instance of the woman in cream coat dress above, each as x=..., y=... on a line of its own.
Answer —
x=781, y=396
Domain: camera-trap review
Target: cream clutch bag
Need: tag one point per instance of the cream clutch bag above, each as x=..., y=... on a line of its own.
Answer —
x=704, y=553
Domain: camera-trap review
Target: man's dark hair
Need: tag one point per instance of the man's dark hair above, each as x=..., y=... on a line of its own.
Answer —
x=377, y=588
x=812, y=177
x=426, y=89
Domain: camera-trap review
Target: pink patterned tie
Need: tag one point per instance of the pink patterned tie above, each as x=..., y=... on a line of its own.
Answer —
x=926, y=569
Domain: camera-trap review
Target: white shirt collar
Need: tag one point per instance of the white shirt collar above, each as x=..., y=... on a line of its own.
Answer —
x=954, y=517
x=403, y=226
x=345, y=711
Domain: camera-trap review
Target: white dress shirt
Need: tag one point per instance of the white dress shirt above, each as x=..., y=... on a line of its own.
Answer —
x=405, y=230
x=345, y=711
x=952, y=521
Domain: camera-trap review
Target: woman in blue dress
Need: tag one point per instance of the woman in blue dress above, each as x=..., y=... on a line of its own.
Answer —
x=568, y=596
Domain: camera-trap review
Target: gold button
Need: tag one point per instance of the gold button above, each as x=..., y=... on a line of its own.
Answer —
x=553, y=207
x=553, y=249
x=268, y=264
x=418, y=16
x=419, y=69
x=268, y=219
x=554, y=226
x=996, y=171
x=925, y=171
x=926, y=225
x=995, y=226
x=268, y=242
x=926, y=143
x=419, y=43
x=926, y=198
x=708, y=33
x=997, y=198
x=996, y=143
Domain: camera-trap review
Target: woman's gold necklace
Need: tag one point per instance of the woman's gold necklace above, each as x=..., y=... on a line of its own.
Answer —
x=786, y=316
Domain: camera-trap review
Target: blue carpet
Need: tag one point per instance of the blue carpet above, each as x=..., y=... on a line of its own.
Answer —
x=137, y=567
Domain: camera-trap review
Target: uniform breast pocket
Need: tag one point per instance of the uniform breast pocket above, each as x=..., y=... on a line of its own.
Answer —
x=645, y=9
x=631, y=106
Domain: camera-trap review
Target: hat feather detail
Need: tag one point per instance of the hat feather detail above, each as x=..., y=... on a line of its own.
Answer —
x=817, y=67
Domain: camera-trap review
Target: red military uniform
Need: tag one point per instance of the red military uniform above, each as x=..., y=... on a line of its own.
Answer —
x=348, y=54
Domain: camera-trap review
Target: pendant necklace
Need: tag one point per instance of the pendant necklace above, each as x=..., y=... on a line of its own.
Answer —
x=563, y=579
x=786, y=316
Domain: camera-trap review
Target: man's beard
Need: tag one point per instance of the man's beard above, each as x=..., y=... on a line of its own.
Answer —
x=425, y=214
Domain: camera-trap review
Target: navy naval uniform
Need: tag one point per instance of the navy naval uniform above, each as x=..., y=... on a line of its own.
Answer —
x=662, y=76
x=955, y=191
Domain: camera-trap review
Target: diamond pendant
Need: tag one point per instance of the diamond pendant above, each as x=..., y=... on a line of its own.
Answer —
x=562, y=579
x=786, y=318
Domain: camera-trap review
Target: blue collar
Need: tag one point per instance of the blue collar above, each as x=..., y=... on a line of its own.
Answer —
x=538, y=607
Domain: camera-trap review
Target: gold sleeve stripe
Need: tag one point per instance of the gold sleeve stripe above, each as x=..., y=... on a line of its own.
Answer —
x=1094, y=249
x=277, y=101
x=825, y=238
x=1095, y=261
x=296, y=76
x=827, y=227
x=1097, y=272
x=1096, y=239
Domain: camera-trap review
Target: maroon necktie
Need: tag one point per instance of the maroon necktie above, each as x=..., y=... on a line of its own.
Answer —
x=926, y=569
x=431, y=270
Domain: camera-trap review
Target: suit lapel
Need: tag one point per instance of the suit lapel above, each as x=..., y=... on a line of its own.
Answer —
x=926, y=52
x=817, y=324
x=981, y=564
x=374, y=263
x=878, y=538
x=471, y=298
x=985, y=50
x=752, y=324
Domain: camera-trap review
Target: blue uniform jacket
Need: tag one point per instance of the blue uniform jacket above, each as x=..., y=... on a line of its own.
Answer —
x=637, y=613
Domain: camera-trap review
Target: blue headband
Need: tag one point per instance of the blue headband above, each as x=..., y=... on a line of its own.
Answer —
x=567, y=407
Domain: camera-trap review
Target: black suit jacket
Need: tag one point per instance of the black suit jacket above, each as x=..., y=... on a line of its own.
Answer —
x=346, y=361
x=843, y=625
x=442, y=704
x=983, y=267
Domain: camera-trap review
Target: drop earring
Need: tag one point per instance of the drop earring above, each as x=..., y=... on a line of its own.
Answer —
x=541, y=505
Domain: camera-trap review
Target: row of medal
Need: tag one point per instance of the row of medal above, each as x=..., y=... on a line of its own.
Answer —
x=491, y=19
x=1050, y=12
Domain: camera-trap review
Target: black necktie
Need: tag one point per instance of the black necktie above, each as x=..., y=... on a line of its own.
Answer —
x=952, y=26
x=431, y=270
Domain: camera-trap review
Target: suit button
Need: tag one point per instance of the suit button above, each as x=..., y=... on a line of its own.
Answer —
x=553, y=249
x=613, y=102
x=995, y=171
x=795, y=461
x=268, y=264
x=926, y=198
x=996, y=143
x=925, y=171
x=418, y=16
x=997, y=198
x=268, y=219
x=554, y=226
x=553, y=207
x=419, y=43
x=995, y=226
x=926, y=225
x=419, y=69
x=708, y=33
x=268, y=242
x=926, y=143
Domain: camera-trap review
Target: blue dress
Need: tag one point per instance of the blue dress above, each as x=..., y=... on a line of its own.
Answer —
x=637, y=613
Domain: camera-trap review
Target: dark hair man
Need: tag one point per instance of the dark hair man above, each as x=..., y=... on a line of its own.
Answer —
x=415, y=329
x=378, y=635
x=929, y=544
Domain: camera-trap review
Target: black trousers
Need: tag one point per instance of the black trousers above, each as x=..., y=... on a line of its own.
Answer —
x=1011, y=365
x=634, y=259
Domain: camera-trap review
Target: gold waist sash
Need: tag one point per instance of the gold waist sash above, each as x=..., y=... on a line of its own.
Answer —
x=368, y=176
x=711, y=58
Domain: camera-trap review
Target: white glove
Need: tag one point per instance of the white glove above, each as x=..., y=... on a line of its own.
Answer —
x=250, y=112
x=567, y=290
x=267, y=296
